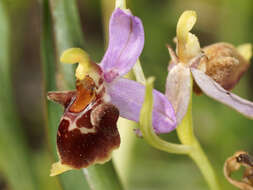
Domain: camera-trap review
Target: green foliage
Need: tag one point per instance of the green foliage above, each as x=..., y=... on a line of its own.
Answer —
x=220, y=130
x=15, y=157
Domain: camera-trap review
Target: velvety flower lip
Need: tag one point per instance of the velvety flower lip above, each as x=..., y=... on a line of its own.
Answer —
x=224, y=63
x=126, y=41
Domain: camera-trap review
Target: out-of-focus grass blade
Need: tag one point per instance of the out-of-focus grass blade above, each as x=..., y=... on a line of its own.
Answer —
x=15, y=160
x=69, y=180
x=68, y=34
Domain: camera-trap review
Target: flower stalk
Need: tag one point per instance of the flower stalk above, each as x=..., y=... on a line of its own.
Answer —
x=190, y=144
x=147, y=128
x=120, y=4
x=186, y=135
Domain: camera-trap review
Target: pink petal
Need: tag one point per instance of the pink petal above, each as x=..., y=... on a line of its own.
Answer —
x=215, y=91
x=128, y=96
x=178, y=89
x=126, y=40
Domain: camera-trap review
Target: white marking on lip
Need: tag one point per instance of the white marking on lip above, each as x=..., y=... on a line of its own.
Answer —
x=100, y=88
x=106, y=98
x=84, y=130
x=72, y=124
x=95, y=76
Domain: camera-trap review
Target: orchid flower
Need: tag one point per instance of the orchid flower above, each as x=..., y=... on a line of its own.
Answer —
x=216, y=69
x=88, y=132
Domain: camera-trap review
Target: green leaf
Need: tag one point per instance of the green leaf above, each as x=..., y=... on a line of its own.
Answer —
x=68, y=34
x=74, y=179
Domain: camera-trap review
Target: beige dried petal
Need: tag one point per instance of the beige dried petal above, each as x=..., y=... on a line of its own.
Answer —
x=233, y=164
x=224, y=64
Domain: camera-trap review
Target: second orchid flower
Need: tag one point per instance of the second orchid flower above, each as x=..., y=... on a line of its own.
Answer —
x=215, y=69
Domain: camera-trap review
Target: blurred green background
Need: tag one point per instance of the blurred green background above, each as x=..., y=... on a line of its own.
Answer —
x=25, y=156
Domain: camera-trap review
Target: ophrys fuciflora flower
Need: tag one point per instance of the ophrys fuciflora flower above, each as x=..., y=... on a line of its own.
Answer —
x=88, y=132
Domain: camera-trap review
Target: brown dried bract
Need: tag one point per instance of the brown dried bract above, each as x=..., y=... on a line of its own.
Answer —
x=233, y=164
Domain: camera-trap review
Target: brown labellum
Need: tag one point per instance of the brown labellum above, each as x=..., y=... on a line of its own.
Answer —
x=87, y=143
x=87, y=133
x=234, y=163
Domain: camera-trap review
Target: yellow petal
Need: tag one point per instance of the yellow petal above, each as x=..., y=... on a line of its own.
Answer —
x=77, y=55
x=188, y=44
x=58, y=168
x=245, y=50
x=74, y=55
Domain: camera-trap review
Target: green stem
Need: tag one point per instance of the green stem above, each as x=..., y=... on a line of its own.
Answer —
x=107, y=9
x=204, y=165
x=120, y=4
x=186, y=135
x=68, y=34
x=147, y=128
